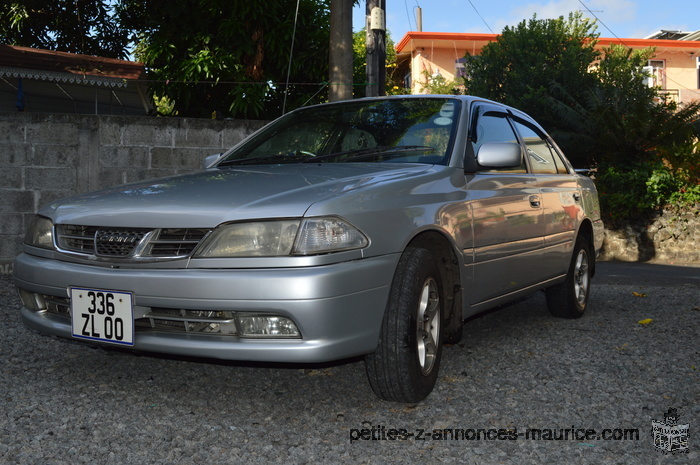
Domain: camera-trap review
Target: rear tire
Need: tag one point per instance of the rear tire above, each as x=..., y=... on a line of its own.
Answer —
x=405, y=366
x=570, y=298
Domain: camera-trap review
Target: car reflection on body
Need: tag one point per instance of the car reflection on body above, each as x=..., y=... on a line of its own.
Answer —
x=370, y=227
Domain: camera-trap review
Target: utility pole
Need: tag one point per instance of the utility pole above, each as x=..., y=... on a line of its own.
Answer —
x=376, y=47
x=340, y=59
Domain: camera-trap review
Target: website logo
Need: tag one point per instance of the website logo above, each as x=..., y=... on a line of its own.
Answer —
x=669, y=436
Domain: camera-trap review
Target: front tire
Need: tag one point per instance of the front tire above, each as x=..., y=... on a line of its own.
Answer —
x=570, y=298
x=405, y=366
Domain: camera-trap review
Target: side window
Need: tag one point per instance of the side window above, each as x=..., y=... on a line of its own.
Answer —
x=494, y=127
x=543, y=158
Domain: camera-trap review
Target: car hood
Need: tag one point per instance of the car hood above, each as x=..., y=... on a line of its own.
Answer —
x=208, y=198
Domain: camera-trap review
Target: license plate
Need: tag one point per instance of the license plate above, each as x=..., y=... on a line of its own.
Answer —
x=101, y=315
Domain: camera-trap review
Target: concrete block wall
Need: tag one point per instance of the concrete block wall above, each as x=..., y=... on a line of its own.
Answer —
x=44, y=157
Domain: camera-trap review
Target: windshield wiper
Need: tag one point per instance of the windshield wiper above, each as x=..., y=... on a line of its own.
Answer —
x=358, y=154
x=301, y=156
x=290, y=157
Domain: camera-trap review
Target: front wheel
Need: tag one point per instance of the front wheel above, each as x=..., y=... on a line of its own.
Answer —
x=569, y=299
x=405, y=365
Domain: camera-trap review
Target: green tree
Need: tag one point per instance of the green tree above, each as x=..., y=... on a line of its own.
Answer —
x=520, y=68
x=394, y=85
x=77, y=26
x=644, y=146
x=231, y=57
x=619, y=118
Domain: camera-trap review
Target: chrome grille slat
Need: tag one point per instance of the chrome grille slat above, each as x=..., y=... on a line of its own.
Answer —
x=164, y=319
x=129, y=243
x=57, y=305
x=77, y=238
x=188, y=321
x=176, y=242
x=152, y=316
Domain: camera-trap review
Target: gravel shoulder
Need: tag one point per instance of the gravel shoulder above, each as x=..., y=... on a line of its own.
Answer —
x=518, y=368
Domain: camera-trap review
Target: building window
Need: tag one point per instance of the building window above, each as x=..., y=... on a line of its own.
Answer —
x=460, y=69
x=657, y=73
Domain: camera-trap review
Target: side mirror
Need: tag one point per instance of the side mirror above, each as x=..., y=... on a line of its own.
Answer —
x=209, y=161
x=499, y=155
x=590, y=172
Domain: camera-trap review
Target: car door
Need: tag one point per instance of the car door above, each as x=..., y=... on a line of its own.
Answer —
x=559, y=194
x=507, y=214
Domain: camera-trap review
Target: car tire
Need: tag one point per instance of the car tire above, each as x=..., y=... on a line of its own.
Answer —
x=405, y=366
x=570, y=298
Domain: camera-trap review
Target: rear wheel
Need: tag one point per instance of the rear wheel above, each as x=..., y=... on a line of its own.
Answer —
x=405, y=365
x=569, y=299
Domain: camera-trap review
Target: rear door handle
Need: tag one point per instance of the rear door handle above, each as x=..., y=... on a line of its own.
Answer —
x=535, y=201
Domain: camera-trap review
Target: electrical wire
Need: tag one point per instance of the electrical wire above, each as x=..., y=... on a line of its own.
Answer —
x=666, y=77
x=601, y=22
x=482, y=18
x=291, y=50
x=408, y=16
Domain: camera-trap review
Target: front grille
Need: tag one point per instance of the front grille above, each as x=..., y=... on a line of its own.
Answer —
x=164, y=319
x=175, y=242
x=80, y=239
x=189, y=321
x=118, y=242
x=57, y=305
x=125, y=243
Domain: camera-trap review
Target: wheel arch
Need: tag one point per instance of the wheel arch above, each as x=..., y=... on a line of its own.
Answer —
x=585, y=231
x=442, y=249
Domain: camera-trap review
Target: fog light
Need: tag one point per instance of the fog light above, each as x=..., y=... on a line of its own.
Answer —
x=32, y=300
x=266, y=326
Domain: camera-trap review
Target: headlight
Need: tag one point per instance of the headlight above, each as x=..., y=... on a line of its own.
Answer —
x=258, y=239
x=279, y=238
x=40, y=233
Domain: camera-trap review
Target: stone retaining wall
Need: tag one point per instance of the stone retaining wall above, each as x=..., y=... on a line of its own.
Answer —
x=672, y=237
x=45, y=156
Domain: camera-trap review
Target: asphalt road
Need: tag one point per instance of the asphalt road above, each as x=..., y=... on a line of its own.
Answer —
x=521, y=388
x=644, y=273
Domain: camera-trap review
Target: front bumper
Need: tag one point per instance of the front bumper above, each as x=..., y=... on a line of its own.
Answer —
x=338, y=308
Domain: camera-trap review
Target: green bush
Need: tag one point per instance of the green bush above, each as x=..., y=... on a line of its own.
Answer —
x=632, y=193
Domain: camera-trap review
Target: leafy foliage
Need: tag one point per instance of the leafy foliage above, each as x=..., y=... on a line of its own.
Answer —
x=438, y=84
x=394, y=85
x=645, y=147
x=619, y=119
x=231, y=57
x=527, y=60
x=77, y=26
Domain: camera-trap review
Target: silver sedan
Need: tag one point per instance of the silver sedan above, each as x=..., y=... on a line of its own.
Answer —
x=370, y=227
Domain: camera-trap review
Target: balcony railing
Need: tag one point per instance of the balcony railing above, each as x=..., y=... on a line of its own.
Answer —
x=669, y=95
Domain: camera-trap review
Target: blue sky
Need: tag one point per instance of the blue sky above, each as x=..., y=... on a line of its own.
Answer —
x=621, y=18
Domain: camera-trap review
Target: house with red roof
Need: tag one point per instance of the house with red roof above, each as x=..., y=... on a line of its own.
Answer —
x=674, y=68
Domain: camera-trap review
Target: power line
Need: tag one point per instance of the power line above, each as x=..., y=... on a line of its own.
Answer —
x=291, y=50
x=408, y=16
x=621, y=40
x=482, y=18
x=601, y=22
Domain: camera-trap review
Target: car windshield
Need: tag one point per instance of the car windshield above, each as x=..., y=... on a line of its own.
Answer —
x=406, y=130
